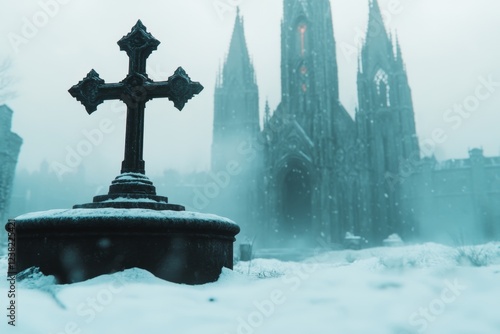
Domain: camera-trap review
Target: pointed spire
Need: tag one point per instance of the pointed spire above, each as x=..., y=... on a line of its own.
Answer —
x=238, y=64
x=378, y=48
x=376, y=28
x=238, y=42
x=360, y=64
x=399, y=54
x=267, y=113
x=375, y=7
x=375, y=13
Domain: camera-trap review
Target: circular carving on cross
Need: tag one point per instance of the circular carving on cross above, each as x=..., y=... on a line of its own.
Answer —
x=182, y=88
x=179, y=86
x=137, y=42
x=87, y=91
x=135, y=90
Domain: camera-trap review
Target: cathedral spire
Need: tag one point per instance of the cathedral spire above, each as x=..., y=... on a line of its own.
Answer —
x=375, y=10
x=376, y=34
x=267, y=113
x=236, y=101
x=375, y=15
x=399, y=54
x=238, y=67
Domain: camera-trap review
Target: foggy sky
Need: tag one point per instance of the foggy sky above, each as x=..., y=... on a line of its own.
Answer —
x=448, y=45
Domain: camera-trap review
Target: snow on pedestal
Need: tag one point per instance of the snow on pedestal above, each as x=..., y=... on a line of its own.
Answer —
x=78, y=244
x=131, y=226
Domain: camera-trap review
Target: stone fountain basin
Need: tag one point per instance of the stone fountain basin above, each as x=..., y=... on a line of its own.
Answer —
x=78, y=244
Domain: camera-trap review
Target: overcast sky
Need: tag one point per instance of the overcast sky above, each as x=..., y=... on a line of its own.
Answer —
x=448, y=46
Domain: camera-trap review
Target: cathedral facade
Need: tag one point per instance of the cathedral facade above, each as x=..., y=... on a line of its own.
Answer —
x=10, y=145
x=311, y=171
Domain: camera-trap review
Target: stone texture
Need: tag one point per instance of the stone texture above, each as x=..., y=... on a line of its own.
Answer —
x=78, y=244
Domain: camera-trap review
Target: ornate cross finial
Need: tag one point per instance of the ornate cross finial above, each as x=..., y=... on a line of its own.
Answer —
x=135, y=90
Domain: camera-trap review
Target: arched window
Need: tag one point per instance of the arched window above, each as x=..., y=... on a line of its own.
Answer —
x=302, y=38
x=383, y=89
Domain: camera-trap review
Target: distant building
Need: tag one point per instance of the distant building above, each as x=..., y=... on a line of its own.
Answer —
x=315, y=172
x=456, y=200
x=10, y=145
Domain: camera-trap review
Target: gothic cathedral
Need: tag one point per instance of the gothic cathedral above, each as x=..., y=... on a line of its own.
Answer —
x=313, y=172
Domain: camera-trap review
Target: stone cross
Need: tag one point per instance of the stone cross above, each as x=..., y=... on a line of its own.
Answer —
x=135, y=90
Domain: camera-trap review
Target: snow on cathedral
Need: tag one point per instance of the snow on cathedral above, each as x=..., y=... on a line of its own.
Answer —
x=313, y=171
x=10, y=145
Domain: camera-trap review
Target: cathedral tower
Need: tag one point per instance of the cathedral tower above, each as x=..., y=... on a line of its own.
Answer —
x=236, y=101
x=309, y=78
x=236, y=164
x=306, y=131
x=386, y=127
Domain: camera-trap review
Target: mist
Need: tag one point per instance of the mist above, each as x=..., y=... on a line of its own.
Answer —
x=358, y=154
x=448, y=47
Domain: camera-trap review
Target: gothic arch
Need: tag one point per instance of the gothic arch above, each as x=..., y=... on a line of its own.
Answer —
x=302, y=37
x=294, y=186
x=383, y=89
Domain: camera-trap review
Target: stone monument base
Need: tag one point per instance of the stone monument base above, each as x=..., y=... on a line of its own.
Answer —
x=78, y=244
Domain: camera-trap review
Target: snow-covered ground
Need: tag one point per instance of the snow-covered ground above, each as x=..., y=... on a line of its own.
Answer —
x=426, y=288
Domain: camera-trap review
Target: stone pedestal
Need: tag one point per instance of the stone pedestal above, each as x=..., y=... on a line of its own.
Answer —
x=130, y=227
